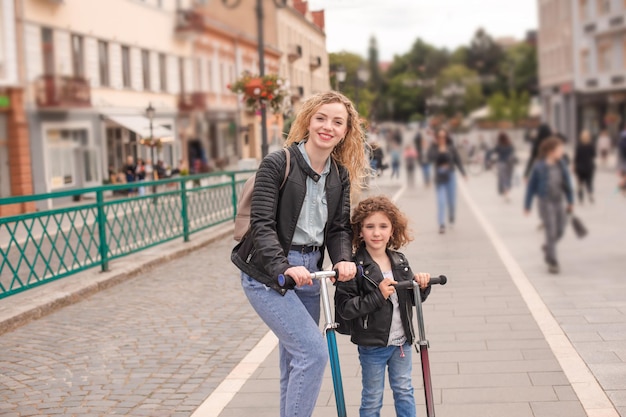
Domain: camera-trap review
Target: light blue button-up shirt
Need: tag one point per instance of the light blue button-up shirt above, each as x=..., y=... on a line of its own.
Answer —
x=314, y=213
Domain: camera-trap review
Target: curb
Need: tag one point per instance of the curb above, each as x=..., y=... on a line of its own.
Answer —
x=32, y=304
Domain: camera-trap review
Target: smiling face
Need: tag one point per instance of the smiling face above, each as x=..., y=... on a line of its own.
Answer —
x=328, y=126
x=376, y=230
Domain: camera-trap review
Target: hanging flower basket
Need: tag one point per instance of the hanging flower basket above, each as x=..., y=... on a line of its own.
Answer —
x=270, y=90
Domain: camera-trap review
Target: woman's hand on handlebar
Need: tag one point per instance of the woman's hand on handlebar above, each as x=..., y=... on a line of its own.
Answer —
x=345, y=270
x=300, y=275
x=423, y=279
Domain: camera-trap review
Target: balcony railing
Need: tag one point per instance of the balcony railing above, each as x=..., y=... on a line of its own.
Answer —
x=188, y=22
x=294, y=52
x=63, y=91
x=315, y=61
x=188, y=102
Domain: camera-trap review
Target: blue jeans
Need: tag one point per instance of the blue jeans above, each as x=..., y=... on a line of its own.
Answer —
x=426, y=172
x=446, y=196
x=294, y=319
x=374, y=360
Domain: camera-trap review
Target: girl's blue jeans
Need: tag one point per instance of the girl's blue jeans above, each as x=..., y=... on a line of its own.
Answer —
x=294, y=319
x=374, y=361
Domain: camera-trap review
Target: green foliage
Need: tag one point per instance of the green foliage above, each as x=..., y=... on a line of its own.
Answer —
x=513, y=108
x=460, y=75
x=351, y=62
x=498, y=107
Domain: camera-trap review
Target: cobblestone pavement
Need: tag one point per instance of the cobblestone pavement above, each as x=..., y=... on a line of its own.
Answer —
x=156, y=345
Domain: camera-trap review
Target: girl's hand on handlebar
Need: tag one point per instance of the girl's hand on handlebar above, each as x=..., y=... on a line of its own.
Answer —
x=345, y=270
x=300, y=275
x=386, y=287
x=423, y=279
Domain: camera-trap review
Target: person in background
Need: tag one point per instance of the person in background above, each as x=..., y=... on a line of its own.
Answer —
x=621, y=157
x=129, y=170
x=549, y=181
x=410, y=158
x=604, y=146
x=422, y=145
x=584, y=165
x=396, y=156
x=543, y=133
x=505, y=163
x=445, y=158
x=140, y=175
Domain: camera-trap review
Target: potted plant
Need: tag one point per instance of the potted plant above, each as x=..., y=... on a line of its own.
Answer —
x=269, y=90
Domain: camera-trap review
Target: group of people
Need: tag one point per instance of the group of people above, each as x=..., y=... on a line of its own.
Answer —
x=293, y=224
x=142, y=170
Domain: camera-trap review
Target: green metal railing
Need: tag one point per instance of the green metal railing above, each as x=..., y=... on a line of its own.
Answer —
x=43, y=246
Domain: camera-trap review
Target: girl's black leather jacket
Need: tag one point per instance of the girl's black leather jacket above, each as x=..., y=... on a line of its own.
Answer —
x=364, y=310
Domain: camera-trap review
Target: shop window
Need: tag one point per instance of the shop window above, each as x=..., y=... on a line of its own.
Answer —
x=64, y=145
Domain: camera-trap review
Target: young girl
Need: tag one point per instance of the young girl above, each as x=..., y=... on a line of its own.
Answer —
x=380, y=319
x=549, y=181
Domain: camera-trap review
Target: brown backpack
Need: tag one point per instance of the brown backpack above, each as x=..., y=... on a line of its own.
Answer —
x=242, y=220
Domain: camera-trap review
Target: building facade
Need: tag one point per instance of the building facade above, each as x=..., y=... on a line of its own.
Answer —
x=600, y=64
x=556, y=65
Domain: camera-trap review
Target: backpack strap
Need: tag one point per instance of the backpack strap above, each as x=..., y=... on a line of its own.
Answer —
x=287, y=167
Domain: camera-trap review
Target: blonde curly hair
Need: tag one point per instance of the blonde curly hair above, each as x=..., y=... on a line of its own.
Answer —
x=351, y=151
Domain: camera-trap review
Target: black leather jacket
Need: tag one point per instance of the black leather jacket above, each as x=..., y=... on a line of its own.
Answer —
x=274, y=213
x=362, y=305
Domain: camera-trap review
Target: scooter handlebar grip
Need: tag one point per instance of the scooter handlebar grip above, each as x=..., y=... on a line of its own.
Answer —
x=440, y=280
x=404, y=285
x=286, y=281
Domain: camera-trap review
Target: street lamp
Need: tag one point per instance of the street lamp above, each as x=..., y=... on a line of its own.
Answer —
x=150, y=114
x=362, y=75
x=340, y=75
x=231, y=4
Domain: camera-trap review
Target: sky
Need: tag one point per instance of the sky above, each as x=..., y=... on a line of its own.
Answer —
x=398, y=23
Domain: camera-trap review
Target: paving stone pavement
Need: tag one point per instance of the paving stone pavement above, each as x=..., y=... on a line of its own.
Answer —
x=488, y=356
x=588, y=298
x=156, y=345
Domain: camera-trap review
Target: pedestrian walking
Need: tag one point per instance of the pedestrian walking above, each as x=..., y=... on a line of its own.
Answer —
x=422, y=144
x=550, y=181
x=140, y=175
x=584, y=166
x=445, y=159
x=396, y=156
x=543, y=133
x=504, y=152
x=380, y=318
x=410, y=159
x=604, y=146
x=291, y=227
x=621, y=157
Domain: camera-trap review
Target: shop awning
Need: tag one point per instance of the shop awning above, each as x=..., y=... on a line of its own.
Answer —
x=141, y=126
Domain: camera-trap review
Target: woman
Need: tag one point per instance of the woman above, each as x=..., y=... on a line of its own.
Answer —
x=289, y=230
x=444, y=158
x=505, y=162
x=585, y=166
x=604, y=146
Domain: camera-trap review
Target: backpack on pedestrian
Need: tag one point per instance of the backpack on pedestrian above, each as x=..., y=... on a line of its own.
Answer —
x=242, y=219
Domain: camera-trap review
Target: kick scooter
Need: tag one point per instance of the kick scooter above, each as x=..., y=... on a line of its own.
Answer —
x=421, y=344
x=329, y=330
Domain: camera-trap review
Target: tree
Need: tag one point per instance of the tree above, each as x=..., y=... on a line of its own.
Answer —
x=520, y=68
x=376, y=79
x=498, y=107
x=460, y=76
x=484, y=56
x=351, y=63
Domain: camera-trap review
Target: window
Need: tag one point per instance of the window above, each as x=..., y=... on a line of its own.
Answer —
x=210, y=78
x=145, y=64
x=604, y=7
x=198, y=75
x=624, y=50
x=604, y=57
x=582, y=10
x=126, y=67
x=585, y=62
x=47, y=49
x=78, y=56
x=162, y=72
x=103, y=61
x=181, y=74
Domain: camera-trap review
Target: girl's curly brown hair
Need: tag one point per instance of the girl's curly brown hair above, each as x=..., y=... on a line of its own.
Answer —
x=400, y=235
